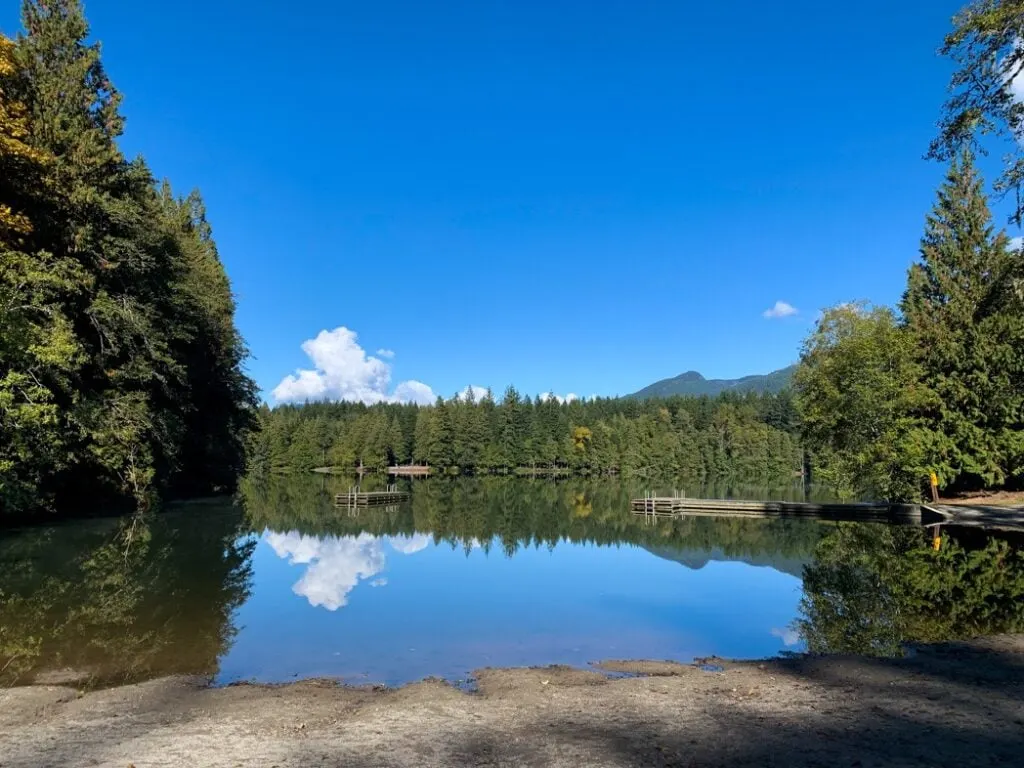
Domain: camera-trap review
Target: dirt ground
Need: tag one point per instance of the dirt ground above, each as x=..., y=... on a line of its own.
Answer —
x=989, y=498
x=955, y=705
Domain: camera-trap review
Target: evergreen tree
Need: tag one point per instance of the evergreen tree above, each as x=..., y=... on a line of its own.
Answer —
x=39, y=352
x=545, y=433
x=657, y=439
x=120, y=368
x=392, y=441
x=212, y=351
x=421, y=435
x=490, y=458
x=407, y=417
x=513, y=430
x=967, y=323
x=303, y=450
x=471, y=433
x=440, y=450
x=105, y=221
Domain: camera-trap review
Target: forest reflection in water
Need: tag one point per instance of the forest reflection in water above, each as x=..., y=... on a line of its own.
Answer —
x=471, y=571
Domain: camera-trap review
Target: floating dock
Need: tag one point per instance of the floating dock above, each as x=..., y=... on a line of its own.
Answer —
x=410, y=470
x=357, y=498
x=981, y=516
x=678, y=506
x=958, y=515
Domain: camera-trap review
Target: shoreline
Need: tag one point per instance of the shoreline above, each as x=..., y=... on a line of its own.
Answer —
x=948, y=704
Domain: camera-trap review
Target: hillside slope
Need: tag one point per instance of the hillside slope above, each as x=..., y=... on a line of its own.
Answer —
x=692, y=383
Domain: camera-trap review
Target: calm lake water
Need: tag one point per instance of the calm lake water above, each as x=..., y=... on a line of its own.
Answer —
x=469, y=573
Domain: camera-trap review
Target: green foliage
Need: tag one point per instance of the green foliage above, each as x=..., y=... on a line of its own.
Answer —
x=116, y=601
x=692, y=438
x=985, y=49
x=872, y=588
x=522, y=513
x=967, y=324
x=859, y=394
x=120, y=366
x=886, y=401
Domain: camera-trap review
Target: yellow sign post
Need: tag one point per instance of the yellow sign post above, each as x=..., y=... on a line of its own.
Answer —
x=935, y=487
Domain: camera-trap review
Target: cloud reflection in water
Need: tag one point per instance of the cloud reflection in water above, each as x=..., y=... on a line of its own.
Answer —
x=336, y=564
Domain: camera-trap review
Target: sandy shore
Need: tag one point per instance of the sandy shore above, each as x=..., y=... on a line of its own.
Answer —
x=955, y=705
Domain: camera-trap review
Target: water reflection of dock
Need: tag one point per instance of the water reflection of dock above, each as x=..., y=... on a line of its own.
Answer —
x=357, y=498
x=680, y=506
x=1002, y=518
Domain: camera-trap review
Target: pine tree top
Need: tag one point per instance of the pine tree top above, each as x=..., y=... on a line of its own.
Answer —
x=962, y=255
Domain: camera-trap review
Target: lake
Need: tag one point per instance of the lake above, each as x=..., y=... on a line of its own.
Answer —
x=472, y=573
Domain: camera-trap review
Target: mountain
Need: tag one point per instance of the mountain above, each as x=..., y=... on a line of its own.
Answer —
x=695, y=559
x=692, y=383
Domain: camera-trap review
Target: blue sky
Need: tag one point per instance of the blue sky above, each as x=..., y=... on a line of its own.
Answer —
x=574, y=196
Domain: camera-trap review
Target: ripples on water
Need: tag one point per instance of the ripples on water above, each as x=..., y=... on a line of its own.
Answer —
x=472, y=573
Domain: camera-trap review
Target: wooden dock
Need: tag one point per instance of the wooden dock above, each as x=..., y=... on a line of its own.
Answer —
x=410, y=470
x=981, y=516
x=357, y=498
x=679, y=506
x=959, y=515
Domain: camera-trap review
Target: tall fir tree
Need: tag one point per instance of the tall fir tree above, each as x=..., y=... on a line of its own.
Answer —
x=105, y=221
x=421, y=436
x=440, y=450
x=120, y=367
x=967, y=323
x=204, y=337
x=513, y=430
x=39, y=352
x=471, y=432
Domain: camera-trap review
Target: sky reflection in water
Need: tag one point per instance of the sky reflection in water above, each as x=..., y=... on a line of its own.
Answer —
x=392, y=609
x=473, y=573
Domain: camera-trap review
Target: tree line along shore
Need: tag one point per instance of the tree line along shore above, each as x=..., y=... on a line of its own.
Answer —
x=122, y=375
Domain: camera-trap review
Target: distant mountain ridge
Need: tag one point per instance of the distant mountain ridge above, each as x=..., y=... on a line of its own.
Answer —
x=695, y=559
x=693, y=384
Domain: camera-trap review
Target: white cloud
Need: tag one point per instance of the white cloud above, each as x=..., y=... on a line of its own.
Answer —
x=1013, y=76
x=781, y=309
x=1016, y=82
x=478, y=392
x=336, y=564
x=413, y=392
x=1017, y=87
x=409, y=545
x=545, y=396
x=1016, y=243
x=788, y=636
x=343, y=371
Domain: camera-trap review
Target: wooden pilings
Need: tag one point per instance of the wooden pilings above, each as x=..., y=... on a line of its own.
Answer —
x=357, y=498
